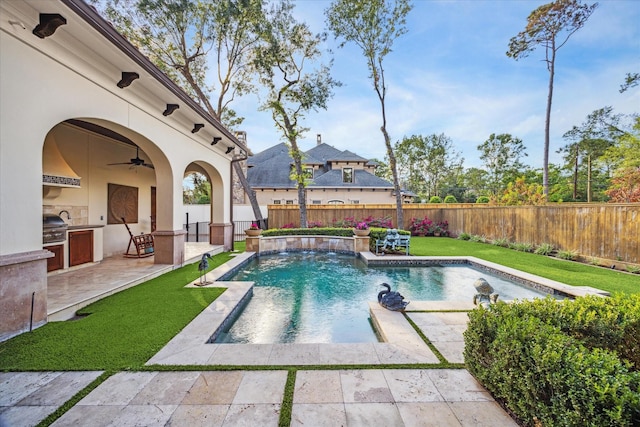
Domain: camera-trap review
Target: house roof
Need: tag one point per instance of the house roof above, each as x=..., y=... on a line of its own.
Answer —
x=271, y=168
x=90, y=15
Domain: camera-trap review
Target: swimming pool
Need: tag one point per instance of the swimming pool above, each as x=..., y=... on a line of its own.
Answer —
x=323, y=297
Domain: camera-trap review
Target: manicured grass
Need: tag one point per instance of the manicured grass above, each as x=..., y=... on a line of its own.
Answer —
x=125, y=330
x=569, y=272
x=120, y=332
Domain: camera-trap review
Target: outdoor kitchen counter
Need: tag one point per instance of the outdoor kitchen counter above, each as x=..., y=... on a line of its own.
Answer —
x=84, y=227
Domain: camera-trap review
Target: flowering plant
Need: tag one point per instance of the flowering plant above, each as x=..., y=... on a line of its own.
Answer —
x=420, y=226
x=362, y=226
x=254, y=226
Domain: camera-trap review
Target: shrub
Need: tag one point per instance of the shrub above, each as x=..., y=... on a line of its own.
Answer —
x=325, y=231
x=544, y=249
x=482, y=199
x=450, y=199
x=633, y=269
x=464, y=236
x=435, y=199
x=522, y=247
x=478, y=239
x=351, y=222
x=504, y=242
x=313, y=224
x=560, y=362
x=568, y=255
x=420, y=226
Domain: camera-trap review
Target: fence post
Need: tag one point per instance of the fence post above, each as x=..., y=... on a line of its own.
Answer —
x=187, y=226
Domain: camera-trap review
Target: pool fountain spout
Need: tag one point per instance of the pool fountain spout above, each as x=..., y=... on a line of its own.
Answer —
x=485, y=293
x=391, y=300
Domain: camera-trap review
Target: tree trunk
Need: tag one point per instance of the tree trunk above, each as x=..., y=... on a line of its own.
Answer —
x=250, y=194
x=575, y=176
x=396, y=181
x=547, y=124
x=589, y=178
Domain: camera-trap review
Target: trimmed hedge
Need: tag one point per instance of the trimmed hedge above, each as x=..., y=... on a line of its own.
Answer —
x=316, y=231
x=560, y=363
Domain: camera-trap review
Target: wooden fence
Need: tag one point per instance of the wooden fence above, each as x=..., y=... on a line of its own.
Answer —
x=607, y=231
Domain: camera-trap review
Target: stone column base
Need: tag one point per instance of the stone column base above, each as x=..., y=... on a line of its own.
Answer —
x=361, y=244
x=252, y=244
x=169, y=246
x=221, y=234
x=23, y=279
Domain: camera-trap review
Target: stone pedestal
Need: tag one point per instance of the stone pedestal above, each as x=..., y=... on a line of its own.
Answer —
x=221, y=234
x=23, y=279
x=361, y=244
x=169, y=246
x=253, y=244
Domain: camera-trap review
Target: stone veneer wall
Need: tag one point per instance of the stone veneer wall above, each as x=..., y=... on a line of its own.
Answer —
x=29, y=269
x=275, y=244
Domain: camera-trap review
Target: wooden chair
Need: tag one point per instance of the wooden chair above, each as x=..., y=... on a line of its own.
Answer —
x=142, y=243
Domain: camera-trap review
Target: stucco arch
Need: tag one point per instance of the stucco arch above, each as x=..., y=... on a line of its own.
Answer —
x=218, y=209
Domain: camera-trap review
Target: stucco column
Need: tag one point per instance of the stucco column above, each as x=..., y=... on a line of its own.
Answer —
x=23, y=280
x=221, y=234
x=169, y=246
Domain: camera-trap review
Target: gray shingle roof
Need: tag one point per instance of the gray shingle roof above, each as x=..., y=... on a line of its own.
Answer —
x=271, y=168
x=333, y=178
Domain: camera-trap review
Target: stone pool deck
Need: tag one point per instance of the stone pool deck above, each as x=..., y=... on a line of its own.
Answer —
x=323, y=396
x=393, y=383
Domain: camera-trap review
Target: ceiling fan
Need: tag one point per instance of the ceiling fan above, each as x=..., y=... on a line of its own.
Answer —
x=137, y=161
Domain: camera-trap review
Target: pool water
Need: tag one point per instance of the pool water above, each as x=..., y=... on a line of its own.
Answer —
x=323, y=297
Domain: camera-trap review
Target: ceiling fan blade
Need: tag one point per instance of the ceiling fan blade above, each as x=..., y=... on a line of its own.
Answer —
x=147, y=165
x=114, y=164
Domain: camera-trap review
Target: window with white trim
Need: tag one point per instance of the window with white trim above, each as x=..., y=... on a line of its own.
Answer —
x=347, y=175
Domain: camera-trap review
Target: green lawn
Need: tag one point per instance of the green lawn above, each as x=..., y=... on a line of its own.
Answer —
x=120, y=332
x=124, y=330
x=569, y=272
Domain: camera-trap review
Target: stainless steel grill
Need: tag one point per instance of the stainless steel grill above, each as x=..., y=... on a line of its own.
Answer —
x=54, y=229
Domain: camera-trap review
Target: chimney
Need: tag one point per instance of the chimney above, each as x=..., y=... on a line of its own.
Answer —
x=242, y=136
x=319, y=139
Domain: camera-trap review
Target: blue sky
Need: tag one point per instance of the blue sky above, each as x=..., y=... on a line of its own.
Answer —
x=450, y=74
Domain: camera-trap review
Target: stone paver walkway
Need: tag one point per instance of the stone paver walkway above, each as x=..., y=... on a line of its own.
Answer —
x=373, y=397
x=326, y=397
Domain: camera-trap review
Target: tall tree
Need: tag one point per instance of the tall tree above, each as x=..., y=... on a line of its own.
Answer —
x=427, y=160
x=373, y=25
x=283, y=61
x=549, y=26
x=501, y=157
x=590, y=140
x=182, y=37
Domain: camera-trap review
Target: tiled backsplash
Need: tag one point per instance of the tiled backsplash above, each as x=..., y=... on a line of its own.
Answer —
x=79, y=214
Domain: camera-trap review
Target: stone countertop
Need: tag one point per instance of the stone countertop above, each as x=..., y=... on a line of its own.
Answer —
x=83, y=227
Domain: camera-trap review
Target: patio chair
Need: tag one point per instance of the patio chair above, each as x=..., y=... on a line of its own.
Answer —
x=142, y=244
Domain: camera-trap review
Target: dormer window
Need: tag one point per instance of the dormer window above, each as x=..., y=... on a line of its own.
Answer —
x=308, y=173
x=347, y=175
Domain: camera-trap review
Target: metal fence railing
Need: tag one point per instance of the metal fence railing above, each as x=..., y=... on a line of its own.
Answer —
x=197, y=231
x=240, y=226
